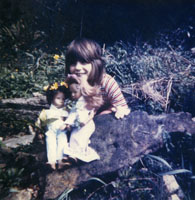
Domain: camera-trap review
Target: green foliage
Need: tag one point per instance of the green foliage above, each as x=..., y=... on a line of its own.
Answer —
x=11, y=124
x=144, y=180
x=11, y=177
x=38, y=70
x=131, y=183
x=179, y=152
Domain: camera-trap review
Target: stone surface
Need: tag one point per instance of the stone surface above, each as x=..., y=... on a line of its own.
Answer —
x=170, y=184
x=172, y=188
x=174, y=197
x=20, y=195
x=119, y=143
x=36, y=103
x=17, y=141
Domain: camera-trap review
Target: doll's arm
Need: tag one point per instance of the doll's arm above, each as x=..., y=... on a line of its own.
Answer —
x=88, y=118
x=41, y=121
x=71, y=118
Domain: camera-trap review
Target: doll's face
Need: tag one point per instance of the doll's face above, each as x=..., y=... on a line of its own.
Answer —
x=58, y=100
x=75, y=91
x=81, y=70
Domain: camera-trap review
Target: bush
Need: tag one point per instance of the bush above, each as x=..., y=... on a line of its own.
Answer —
x=161, y=77
x=30, y=74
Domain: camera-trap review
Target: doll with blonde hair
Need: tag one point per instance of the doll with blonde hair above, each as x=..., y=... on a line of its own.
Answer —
x=80, y=119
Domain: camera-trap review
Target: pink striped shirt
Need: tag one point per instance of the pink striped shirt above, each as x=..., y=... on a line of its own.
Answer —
x=111, y=92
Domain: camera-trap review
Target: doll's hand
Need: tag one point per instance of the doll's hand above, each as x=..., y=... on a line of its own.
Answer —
x=121, y=111
x=63, y=127
x=40, y=136
x=91, y=114
x=68, y=127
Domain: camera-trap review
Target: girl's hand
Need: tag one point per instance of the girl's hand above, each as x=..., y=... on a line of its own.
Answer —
x=121, y=111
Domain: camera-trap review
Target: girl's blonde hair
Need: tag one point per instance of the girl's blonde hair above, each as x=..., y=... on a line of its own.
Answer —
x=86, y=51
x=91, y=94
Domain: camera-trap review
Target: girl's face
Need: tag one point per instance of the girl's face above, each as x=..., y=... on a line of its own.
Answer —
x=58, y=100
x=75, y=91
x=81, y=70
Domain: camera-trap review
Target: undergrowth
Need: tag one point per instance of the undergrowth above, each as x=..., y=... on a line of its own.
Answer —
x=161, y=78
x=145, y=179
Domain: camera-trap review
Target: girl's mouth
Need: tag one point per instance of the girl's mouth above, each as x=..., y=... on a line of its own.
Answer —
x=80, y=73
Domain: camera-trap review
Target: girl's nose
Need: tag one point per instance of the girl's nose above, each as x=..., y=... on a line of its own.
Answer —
x=78, y=66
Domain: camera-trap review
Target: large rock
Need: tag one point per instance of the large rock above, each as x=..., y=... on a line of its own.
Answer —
x=119, y=143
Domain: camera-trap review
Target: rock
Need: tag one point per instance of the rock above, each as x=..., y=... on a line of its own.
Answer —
x=193, y=50
x=19, y=140
x=25, y=194
x=174, y=197
x=170, y=184
x=33, y=103
x=119, y=143
x=172, y=188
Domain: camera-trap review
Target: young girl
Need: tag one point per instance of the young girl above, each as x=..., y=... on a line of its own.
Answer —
x=84, y=59
x=53, y=118
x=87, y=99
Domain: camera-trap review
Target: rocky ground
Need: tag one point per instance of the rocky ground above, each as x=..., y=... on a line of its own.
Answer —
x=119, y=143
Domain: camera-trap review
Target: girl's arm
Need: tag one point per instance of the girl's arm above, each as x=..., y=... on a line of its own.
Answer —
x=114, y=94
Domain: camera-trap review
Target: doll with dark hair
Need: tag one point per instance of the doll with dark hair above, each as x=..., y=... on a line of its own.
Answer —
x=53, y=118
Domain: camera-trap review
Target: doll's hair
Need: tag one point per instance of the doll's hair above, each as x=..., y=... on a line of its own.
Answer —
x=91, y=94
x=86, y=51
x=51, y=92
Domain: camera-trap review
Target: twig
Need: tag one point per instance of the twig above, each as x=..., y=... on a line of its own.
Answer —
x=141, y=189
x=185, y=59
x=169, y=86
x=90, y=195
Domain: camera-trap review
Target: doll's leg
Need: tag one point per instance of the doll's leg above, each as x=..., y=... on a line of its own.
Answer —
x=80, y=138
x=51, y=146
x=62, y=144
x=79, y=141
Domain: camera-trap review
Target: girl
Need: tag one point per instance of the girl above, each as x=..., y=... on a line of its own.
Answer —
x=53, y=118
x=84, y=59
x=87, y=99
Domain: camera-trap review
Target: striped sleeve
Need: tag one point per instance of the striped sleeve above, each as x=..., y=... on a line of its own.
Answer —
x=113, y=91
